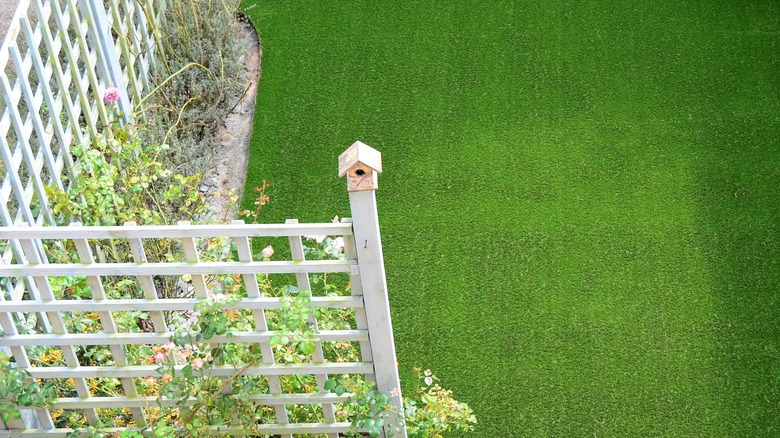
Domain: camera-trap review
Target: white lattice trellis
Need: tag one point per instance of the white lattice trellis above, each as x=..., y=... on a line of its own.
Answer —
x=57, y=59
x=58, y=309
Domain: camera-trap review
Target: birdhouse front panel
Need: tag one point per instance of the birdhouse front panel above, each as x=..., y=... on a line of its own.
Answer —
x=361, y=177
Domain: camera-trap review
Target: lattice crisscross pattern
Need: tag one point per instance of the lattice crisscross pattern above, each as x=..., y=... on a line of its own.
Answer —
x=121, y=309
x=55, y=63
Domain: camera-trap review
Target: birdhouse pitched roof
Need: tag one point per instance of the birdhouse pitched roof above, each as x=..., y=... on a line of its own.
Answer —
x=360, y=153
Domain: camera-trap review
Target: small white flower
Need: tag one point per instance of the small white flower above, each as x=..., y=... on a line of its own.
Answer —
x=267, y=252
x=317, y=239
x=335, y=245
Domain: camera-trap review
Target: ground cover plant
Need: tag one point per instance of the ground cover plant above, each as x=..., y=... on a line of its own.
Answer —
x=579, y=206
x=199, y=79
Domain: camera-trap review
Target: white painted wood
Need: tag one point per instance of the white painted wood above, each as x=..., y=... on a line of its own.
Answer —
x=44, y=71
x=53, y=46
x=176, y=268
x=266, y=429
x=365, y=222
x=109, y=327
x=302, y=279
x=170, y=231
x=35, y=160
x=142, y=269
x=191, y=255
x=142, y=402
x=64, y=19
x=17, y=340
x=68, y=352
x=63, y=84
x=13, y=31
x=244, y=249
x=14, y=159
x=147, y=282
x=108, y=60
x=76, y=89
x=163, y=304
x=86, y=372
x=84, y=26
x=357, y=290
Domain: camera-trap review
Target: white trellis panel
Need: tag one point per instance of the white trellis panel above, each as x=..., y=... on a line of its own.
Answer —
x=55, y=63
x=49, y=300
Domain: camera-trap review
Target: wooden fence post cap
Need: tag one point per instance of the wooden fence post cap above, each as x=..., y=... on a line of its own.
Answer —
x=361, y=163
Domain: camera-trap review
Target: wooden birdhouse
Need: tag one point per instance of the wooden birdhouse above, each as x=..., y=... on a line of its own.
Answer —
x=361, y=163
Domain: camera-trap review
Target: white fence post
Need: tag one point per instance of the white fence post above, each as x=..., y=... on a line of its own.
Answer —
x=361, y=164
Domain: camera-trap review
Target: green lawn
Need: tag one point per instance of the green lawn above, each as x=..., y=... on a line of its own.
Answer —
x=581, y=200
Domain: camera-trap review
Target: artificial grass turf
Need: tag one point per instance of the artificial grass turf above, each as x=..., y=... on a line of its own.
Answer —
x=580, y=201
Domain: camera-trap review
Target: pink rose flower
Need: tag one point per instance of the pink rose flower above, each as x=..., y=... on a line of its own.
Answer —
x=267, y=252
x=197, y=363
x=159, y=357
x=111, y=95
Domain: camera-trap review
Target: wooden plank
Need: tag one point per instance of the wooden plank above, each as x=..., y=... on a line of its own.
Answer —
x=302, y=279
x=107, y=58
x=163, y=304
x=244, y=249
x=44, y=71
x=109, y=327
x=191, y=255
x=13, y=159
x=175, y=268
x=365, y=222
x=63, y=20
x=267, y=429
x=177, y=231
x=52, y=339
x=142, y=402
x=57, y=324
x=87, y=372
x=146, y=281
x=12, y=32
x=80, y=17
x=357, y=290
x=121, y=26
x=53, y=47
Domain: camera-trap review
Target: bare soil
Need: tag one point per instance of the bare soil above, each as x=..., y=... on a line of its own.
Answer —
x=227, y=172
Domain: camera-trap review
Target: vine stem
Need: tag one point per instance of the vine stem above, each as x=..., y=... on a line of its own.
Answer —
x=224, y=386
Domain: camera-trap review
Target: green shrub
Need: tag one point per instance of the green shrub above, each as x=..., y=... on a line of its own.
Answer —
x=200, y=76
